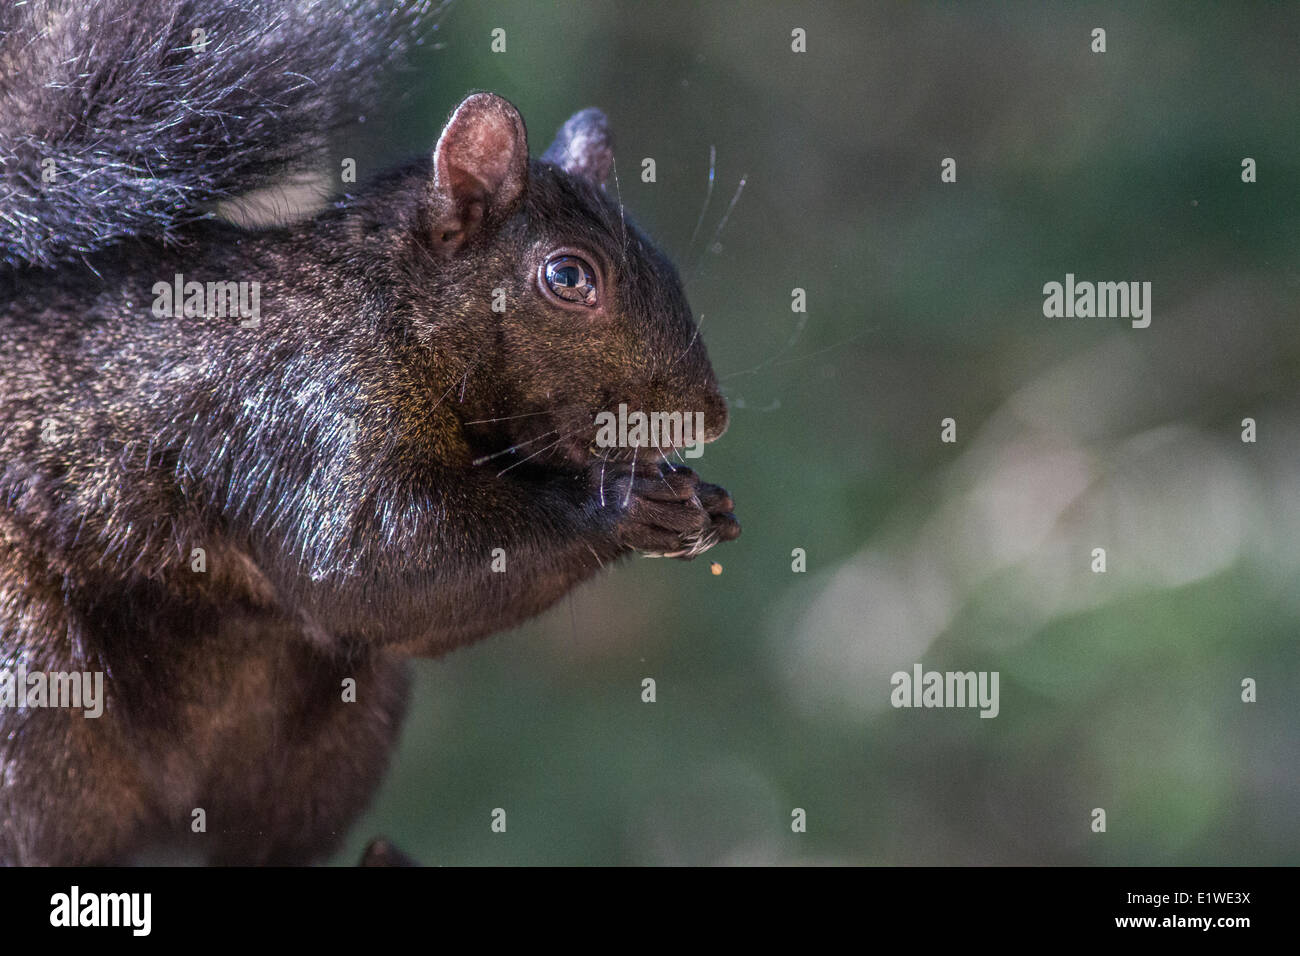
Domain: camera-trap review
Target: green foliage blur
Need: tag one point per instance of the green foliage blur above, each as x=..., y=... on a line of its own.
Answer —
x=1119, y=690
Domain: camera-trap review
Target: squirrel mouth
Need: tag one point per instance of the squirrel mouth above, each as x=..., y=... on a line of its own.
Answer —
x=625, y=456
x=583, y=452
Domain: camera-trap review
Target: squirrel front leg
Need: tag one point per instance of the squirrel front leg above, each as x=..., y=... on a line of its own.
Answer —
x=449, y=567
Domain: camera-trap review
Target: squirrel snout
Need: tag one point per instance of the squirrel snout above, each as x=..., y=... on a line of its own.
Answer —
x=716, y=417
x=665, y=425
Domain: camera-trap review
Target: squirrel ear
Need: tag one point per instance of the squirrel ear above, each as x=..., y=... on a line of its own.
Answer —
x=584, y=147
x=480, y=168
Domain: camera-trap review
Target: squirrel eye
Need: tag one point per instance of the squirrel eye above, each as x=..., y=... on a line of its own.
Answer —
x=571, y=279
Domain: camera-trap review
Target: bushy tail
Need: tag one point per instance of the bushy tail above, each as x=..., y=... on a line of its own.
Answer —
x=119, y=118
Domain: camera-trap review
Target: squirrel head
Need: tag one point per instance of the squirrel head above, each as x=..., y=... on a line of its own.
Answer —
x=572, y=309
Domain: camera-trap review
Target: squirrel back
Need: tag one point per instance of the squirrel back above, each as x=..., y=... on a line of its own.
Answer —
x=245, y=474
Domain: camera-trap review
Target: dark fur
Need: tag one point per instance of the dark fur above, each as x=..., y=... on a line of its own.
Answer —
x=144, y=131
x=327, y=557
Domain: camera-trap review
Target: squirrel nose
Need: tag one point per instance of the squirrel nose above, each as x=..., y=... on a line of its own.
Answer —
x=716, y=416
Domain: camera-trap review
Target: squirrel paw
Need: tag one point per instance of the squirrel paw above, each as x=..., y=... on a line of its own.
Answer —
x=668, y=512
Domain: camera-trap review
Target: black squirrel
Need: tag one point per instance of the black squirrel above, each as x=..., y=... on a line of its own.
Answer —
x=232, y=513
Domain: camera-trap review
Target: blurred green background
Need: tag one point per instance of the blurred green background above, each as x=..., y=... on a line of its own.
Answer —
x=1119, y=690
